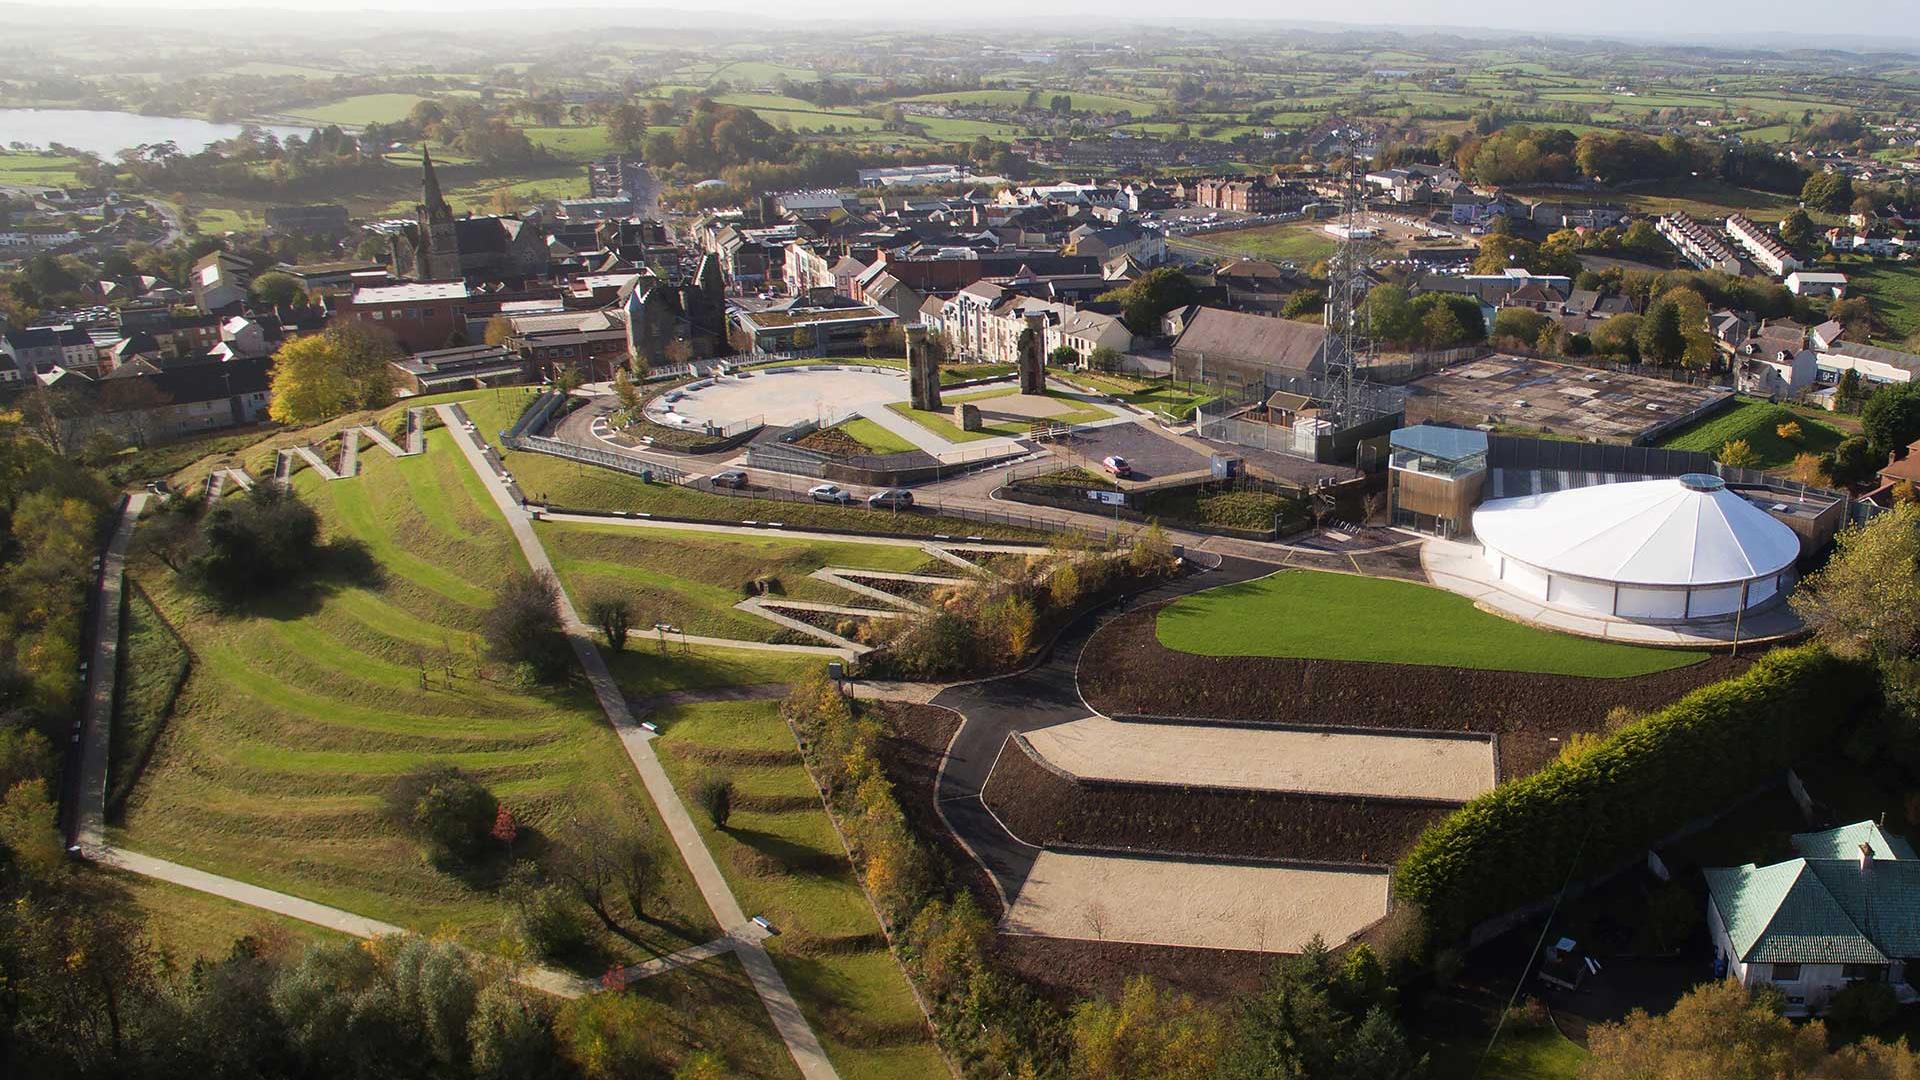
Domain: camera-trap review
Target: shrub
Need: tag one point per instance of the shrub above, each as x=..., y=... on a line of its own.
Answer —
x=612, y=615
x=714, y=794
x=256, y=543
x=1516, y=843
x=540, y=914
x=449, y=812
x=1861, y=1009
x=523, y=626
x=1738, y=453
x=1789, y=431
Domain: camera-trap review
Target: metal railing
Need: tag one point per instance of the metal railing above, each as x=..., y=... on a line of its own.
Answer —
x=541, y=444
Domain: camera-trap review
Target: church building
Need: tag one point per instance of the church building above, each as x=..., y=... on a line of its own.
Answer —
x=437, y=246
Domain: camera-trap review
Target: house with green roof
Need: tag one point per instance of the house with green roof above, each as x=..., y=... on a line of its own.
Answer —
x=1846, y=910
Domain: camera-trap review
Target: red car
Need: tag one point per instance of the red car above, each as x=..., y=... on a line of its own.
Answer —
x=1117, y=466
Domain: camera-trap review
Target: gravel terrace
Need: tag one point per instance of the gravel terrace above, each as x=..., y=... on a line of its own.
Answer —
x=1269, y=759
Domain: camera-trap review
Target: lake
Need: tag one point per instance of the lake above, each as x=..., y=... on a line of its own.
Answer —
x=108, y=133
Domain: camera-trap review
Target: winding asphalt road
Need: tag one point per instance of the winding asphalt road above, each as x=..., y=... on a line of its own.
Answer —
x=1042, y=696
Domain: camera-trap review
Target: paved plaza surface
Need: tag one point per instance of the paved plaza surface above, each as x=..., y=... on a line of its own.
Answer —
x=1211, y=905
x=783, y=396
x=1270, y=759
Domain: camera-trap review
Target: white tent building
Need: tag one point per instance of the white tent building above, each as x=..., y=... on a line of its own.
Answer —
x=1674, y=549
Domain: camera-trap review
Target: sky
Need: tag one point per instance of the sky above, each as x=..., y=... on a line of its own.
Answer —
x=1894, y=23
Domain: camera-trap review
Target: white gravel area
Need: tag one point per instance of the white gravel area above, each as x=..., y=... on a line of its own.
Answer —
x=1334, y=763
x=1193, y=904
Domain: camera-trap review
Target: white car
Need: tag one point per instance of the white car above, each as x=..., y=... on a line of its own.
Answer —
x=832, y=493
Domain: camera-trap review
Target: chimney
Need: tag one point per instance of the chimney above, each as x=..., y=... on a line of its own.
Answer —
x=1866, y=856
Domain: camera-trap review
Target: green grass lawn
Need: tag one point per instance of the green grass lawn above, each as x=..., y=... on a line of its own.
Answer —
x=579, y=142
x=29, y=167
x=692, y=579
x=1165, y=397
x=876, y=439
x=1539, y=1054
x=1893, y=290
x=784, y=860
x=1757, y=422
x=1320, y=616
x=1300, y=242
x=154, y=663
x=360, y=109
x=188, y=924
x=300, y=708
x=567, y=483
x=940, y=421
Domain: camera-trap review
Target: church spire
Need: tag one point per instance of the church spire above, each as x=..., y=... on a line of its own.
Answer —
x=432, y=204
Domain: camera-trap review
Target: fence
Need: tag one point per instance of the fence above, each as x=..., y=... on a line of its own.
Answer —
x=1146, y=505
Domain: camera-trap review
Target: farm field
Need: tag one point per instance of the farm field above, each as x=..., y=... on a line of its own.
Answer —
x=360, y=110
x=1757, y=422
x=1314, y=615
x=1082, y=102
x=785, y=861
x=300, y=709
x=691, y=580
x=26, y=167
x=580, y=142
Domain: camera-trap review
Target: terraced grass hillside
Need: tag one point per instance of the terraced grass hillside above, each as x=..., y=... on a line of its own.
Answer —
x=692, y=579
x=784, y=860
x=300, y=709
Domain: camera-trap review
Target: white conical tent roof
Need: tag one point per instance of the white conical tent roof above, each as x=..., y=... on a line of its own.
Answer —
x=1689, y=530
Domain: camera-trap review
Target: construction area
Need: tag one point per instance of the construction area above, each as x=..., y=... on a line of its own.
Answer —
x=1539, y=396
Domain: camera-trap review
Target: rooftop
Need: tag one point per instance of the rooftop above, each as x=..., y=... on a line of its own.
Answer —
x=411, y=293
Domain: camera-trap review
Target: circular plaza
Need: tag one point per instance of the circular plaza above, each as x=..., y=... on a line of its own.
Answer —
x=779, y=397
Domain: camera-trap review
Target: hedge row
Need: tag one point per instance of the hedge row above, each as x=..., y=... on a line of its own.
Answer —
x=1516, y=844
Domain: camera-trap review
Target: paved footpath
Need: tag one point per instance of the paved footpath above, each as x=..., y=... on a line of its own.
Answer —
x=547, y=980
x=801, y=1041
x=86, y=824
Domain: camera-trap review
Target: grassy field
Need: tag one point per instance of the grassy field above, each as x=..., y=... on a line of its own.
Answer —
x=157, y=663
x=1082, y=102
x=1301, y=242
x=876, y=439
x=360, y=110
x=1321, y=616
x=582, y=143
x=1166, y=398
x=1756, y=422
x=189, y=925
x=301, y=708
x=28, y=167
x=785, y=861
x=692, y=579
x=1539, y=1054
x=941, y=423
x=1893, y=290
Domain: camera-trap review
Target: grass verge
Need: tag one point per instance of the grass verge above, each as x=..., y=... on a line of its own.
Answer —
x=1757, y=422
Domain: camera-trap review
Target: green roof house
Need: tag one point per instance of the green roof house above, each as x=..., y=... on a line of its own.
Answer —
x=1846, y=910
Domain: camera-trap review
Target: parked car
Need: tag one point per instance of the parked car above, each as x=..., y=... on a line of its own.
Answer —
x=891, y=499
x=729, y=478
x=832, y=493
x=1117, y=466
